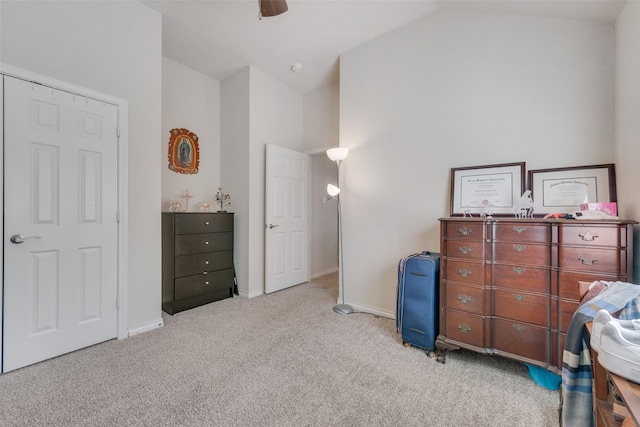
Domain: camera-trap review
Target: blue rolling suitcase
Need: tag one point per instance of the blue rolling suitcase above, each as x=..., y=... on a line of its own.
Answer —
x=417, y=308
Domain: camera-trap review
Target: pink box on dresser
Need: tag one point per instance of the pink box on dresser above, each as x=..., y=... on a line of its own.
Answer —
x=610, y=208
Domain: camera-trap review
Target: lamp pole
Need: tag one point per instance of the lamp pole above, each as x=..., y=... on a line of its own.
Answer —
x=341, y=308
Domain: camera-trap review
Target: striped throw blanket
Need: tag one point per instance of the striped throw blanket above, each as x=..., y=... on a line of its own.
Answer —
x=577, y=399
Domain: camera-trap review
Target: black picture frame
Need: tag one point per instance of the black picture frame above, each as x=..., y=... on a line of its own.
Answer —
x=562, y=190
x=491, y=190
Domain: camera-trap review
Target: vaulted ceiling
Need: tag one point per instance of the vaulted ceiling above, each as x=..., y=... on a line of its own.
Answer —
x=219, y=37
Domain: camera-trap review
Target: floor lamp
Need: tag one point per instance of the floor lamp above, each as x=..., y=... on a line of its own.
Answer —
x=338, y=155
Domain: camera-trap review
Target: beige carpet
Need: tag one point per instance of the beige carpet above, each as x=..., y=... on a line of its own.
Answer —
x=284, y=359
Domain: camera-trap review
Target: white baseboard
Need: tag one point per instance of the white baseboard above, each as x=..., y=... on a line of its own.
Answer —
x=150, y=327
x=325, y=272
x=244, y=294
x=255, y=294
x=372, y=310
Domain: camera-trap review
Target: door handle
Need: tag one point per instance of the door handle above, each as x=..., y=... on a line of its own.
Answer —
x=273, y=226
x=19, y=238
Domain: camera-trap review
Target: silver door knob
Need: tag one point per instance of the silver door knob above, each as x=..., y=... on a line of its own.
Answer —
x=19, y=238
x=273, y=226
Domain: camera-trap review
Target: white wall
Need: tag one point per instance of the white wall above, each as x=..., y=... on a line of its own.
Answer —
x=114, y=48
x=276, y=118
x=321, y=117
x=321, y=130
x=234, y=168
x=459, y=89
x=628, y=118
x=272, y=113
x=191, y=100
x=324, y=217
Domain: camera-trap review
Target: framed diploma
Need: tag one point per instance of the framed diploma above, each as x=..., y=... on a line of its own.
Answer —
x=492, y=190
x=563, y=190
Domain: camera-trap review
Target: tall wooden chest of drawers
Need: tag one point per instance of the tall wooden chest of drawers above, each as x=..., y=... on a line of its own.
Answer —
x=197, y=259
x=510, y=286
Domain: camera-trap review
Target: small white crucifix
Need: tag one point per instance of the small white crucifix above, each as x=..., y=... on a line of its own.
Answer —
x=186, y=196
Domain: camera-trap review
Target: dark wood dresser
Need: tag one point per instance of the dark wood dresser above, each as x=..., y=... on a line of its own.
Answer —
x=510, y=286
x=197, y=259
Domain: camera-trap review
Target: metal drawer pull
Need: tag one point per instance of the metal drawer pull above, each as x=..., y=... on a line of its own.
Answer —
x=205, y=272
x=519, y=229
x=464, y=272
x=206, y=283
x=518, y=297
x=206, y=263
x=206, y=242
x=464, y=231
x=518, y=327
x=464, y=299
x=588, y=236
x=519, y=270
x=206, y=223
x=519, y=248
x=464, y=250
x=464, y=329
x=587, y=260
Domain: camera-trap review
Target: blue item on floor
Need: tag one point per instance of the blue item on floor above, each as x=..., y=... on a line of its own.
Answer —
x=546, y=379
x=417, y=312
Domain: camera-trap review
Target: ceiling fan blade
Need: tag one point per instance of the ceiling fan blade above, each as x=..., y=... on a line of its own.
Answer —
x=273, y=7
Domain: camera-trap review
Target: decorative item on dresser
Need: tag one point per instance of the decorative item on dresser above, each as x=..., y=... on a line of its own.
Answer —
x=510, y=286
x=197, y=259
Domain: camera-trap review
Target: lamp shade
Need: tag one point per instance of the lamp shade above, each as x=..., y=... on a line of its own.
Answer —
x=338, y=154
x=332, y=190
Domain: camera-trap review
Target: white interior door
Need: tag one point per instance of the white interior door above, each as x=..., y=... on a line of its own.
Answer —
x=60, y=277
x=286, y=218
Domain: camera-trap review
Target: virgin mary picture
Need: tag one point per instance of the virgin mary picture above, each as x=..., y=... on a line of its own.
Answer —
x=184, y=152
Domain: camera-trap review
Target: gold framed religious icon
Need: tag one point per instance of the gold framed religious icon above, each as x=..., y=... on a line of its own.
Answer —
x=184, y=151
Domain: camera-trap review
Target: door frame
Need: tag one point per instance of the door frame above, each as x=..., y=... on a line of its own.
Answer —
x=123, y=143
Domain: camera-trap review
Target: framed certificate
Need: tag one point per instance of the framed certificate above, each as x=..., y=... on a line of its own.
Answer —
x=563, y=190
x=492, y=190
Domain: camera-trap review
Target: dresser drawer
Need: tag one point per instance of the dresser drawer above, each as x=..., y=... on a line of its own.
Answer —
x=208, y=242
x=464, y=249
x=191, y=286
x=522, y=307
x=523, y=253
x=591, y=260
x=466, y=272
x=187, y=265
x=557, y=349
x=190, y=223
x=568, y=287
x=592, y=235
x=567, y=309
x=466, y=328
x=465, y=230
x=522, y=232
x=534, y=279
x=522, y=339
x=465, y=298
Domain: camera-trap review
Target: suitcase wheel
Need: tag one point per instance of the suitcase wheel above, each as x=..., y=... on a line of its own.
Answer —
x=431, y=354
x=406, y=344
